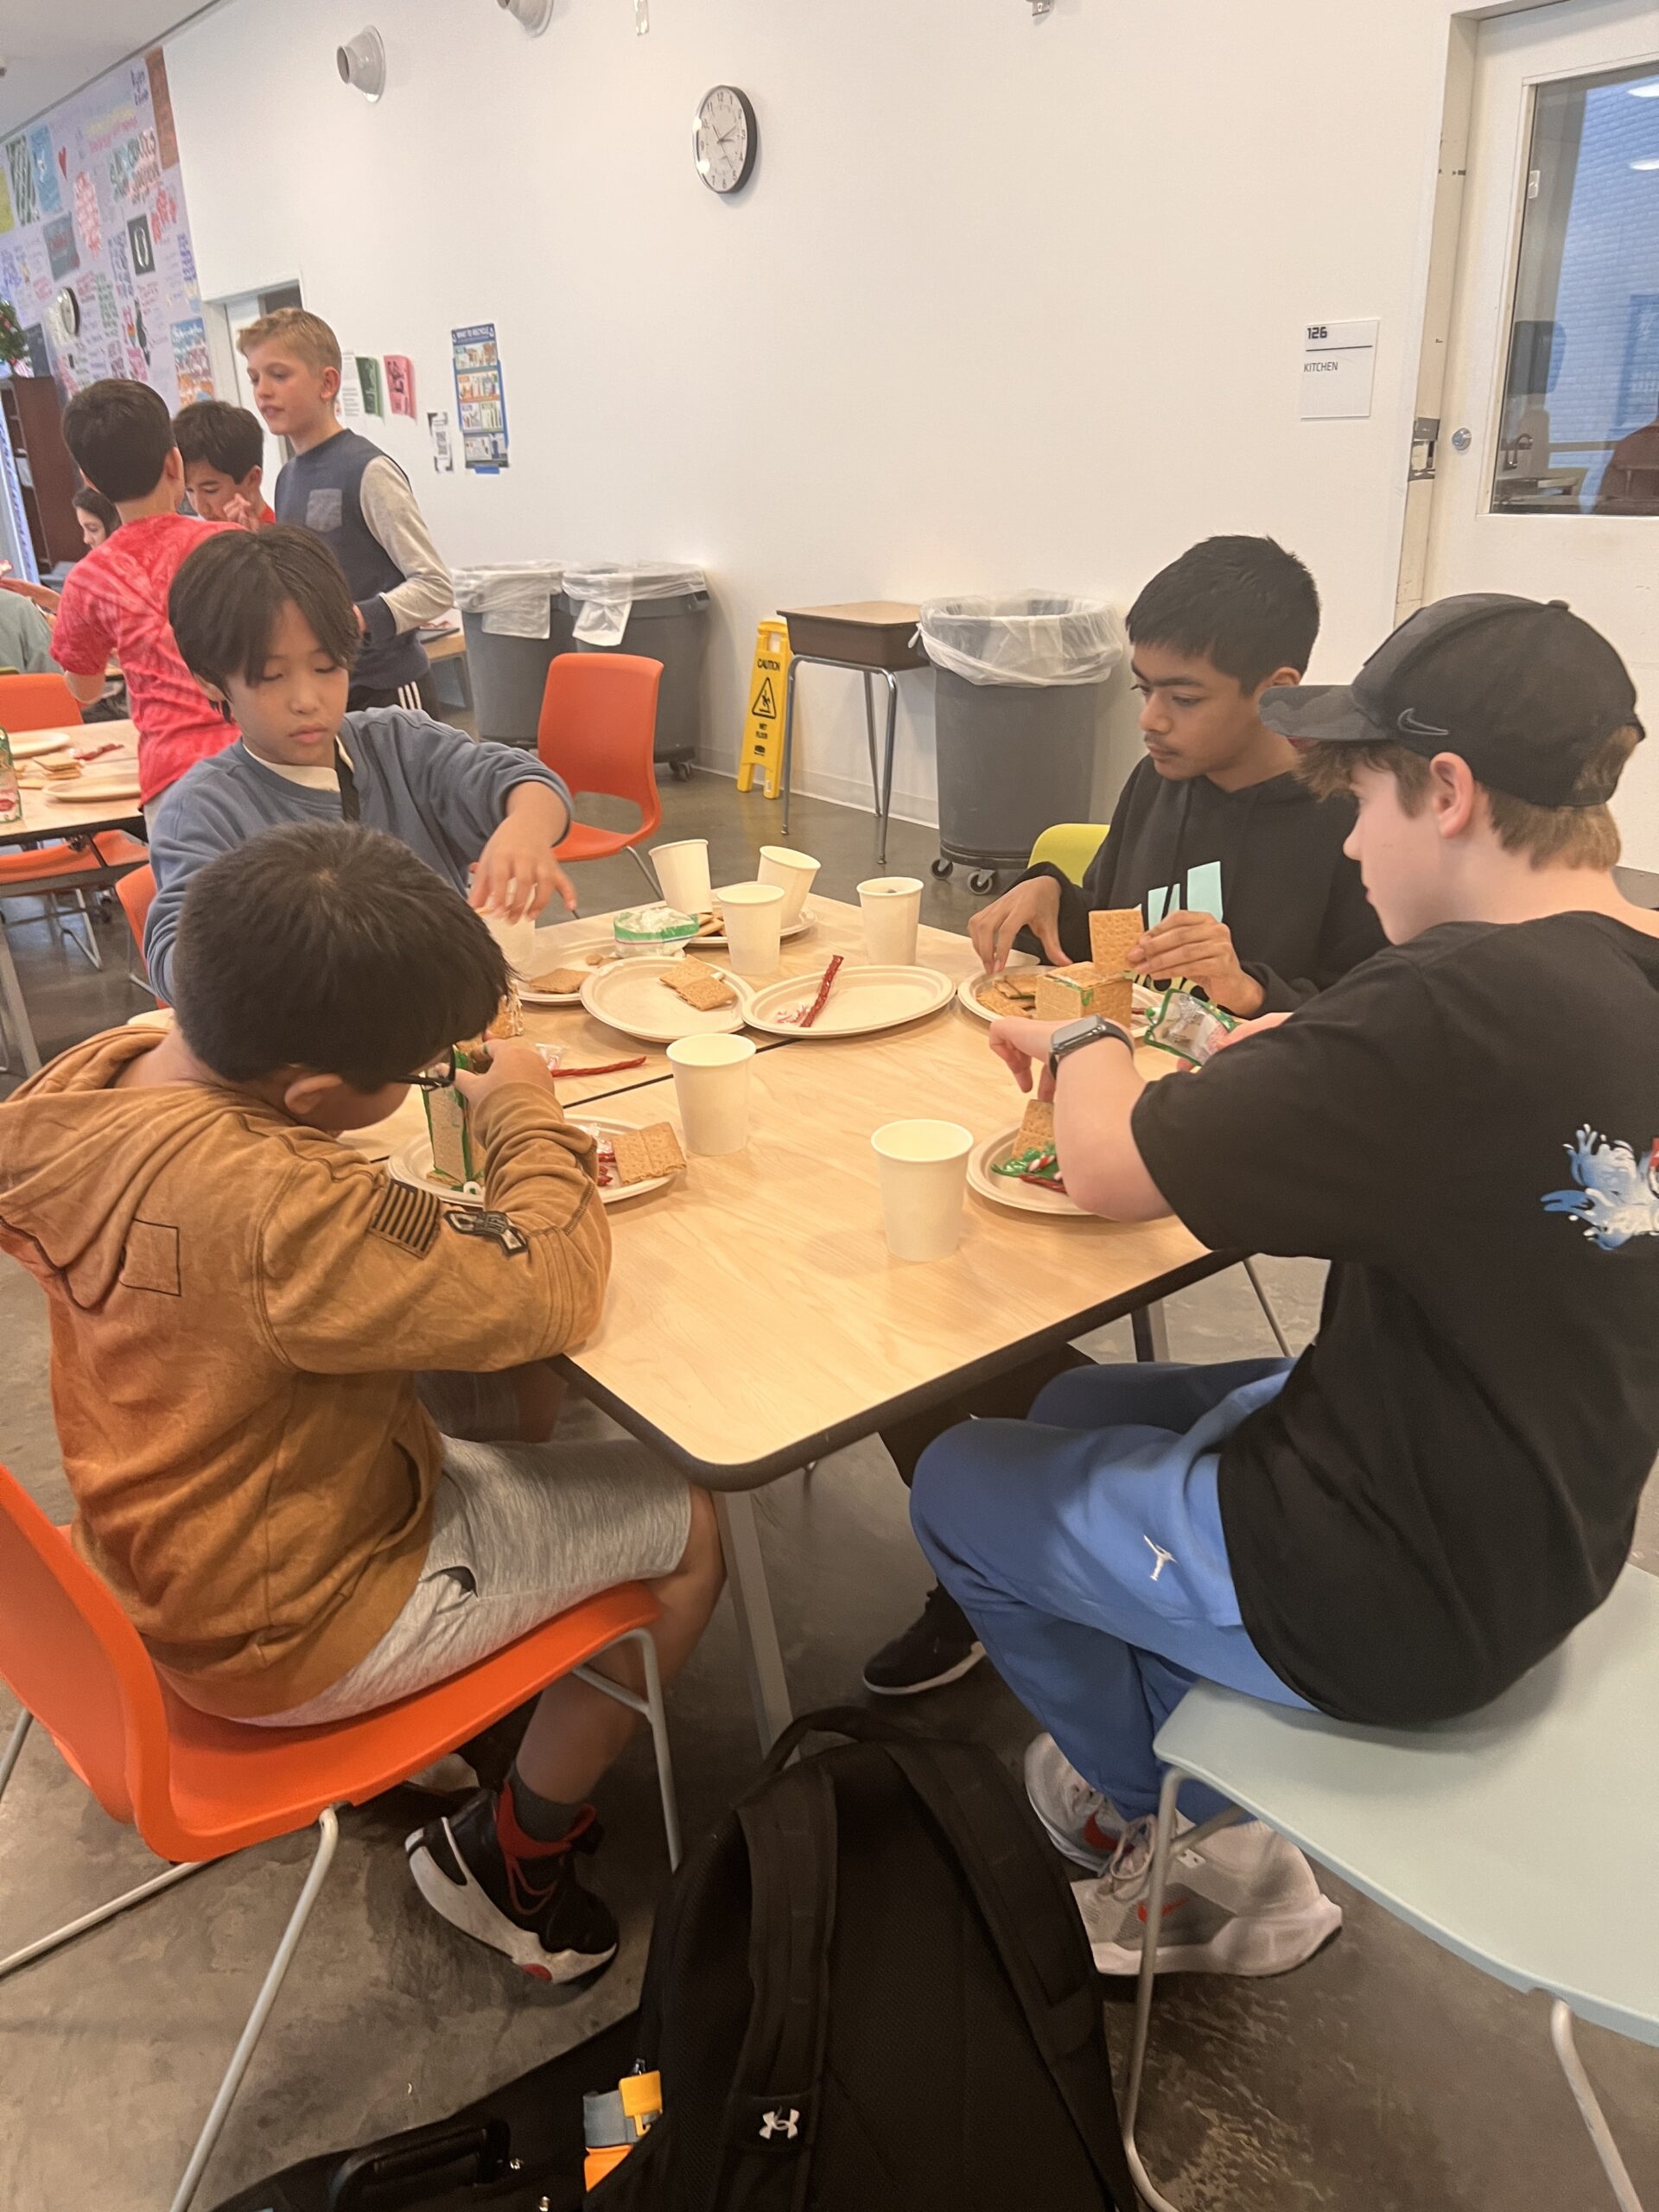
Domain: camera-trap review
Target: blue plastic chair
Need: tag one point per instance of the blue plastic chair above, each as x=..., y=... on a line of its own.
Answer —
x=1440, y=1826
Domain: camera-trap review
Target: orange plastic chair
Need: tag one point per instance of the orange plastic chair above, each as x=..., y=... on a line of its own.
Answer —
x=104, y=859
x=137, y=892
x=598, y=730
x=37, y=703
x=197, y=1788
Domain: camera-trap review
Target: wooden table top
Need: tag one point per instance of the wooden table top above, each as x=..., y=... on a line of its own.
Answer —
x=866, y=613
x=838, y=928
x=452, y=646
x=756, y=1320
x=46, y=817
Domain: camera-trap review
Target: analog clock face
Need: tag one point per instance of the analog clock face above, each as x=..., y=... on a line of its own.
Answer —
x=726, y=140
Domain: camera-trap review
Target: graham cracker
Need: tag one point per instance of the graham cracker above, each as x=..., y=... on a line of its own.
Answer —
x=1066, y=993
x=1037, y=1130
x=559, y=982
x=644, y=1155
x=509, y=1019
x=1009, y=994
x=1113, y=935
x=700, y=985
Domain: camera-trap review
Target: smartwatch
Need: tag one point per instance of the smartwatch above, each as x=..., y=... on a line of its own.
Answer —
x=1093, y=1029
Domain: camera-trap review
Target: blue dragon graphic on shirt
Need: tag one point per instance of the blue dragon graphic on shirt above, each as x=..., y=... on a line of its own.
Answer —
x=1617, y=1195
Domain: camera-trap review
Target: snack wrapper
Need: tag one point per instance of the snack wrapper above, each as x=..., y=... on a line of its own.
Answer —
x=1189, y=1028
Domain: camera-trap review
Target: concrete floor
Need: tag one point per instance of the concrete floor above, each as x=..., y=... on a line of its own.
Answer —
x=1383, y=2077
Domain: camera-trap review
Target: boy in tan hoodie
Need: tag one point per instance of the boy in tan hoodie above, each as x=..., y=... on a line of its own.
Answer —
x=252, y=1327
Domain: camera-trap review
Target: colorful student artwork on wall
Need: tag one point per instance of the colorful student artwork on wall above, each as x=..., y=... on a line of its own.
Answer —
x=400, y=385
x=480, y=397
x=92, y=200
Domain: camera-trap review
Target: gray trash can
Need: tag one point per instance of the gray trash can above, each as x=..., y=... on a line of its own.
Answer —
x=517, y=621
x=1016, y=710
x=659, y=611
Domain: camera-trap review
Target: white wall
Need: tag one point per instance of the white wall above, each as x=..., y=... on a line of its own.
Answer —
x=1007, y=302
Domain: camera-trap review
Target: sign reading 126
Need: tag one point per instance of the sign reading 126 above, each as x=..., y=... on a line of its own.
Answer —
x=725, y=139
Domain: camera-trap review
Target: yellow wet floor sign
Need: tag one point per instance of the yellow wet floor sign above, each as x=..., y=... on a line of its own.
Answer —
x=763, y=731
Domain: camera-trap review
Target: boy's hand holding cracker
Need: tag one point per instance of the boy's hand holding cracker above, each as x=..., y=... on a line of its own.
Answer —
x=1200, y=949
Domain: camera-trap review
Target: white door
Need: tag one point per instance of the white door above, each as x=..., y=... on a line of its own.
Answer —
x=1548, y=478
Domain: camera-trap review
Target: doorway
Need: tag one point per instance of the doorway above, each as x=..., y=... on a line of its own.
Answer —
x=226, y=321
x=1546, y=465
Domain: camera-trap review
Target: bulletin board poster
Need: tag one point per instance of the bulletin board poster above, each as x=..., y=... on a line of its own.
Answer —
x=94, y=244
x=480, y=398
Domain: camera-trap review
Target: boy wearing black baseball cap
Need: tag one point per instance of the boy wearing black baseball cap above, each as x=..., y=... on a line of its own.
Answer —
x=1397, y=1528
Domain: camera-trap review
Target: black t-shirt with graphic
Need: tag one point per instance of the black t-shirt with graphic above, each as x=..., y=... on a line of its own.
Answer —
x=1448, y=1482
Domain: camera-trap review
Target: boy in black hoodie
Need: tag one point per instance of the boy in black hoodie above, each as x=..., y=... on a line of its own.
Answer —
x=1238, y=869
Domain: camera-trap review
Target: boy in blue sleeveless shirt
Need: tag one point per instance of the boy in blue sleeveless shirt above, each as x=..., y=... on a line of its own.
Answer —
x=353, y=496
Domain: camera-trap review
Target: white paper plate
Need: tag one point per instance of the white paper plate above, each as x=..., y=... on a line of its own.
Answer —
x=967, y=990
x=412, y=1163
x=863, y=1002
x=92, y=791
x=567, y=956
x=806, y=920
x=36, y=745
x=631, y=996
x=1007, y=1190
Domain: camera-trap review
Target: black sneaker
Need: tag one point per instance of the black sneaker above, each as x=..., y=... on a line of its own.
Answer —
x=938, y=1648
x=534, y=1910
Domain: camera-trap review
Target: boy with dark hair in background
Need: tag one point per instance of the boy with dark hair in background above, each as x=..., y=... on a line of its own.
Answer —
x=223, y=448
x=268, y=1358
x=354, y=498
x=1238, y=871
x=266, y=626
x=114, y=600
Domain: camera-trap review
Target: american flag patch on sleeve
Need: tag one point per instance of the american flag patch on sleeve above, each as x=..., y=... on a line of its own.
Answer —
x=407, y=1217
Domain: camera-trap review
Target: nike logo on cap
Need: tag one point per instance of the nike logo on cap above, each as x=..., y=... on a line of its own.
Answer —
x=1408, y=726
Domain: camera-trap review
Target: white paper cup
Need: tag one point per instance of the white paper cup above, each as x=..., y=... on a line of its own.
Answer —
x=892, y=914
x=924, y=1171
x=683, y=872
x=516, y=941
x=793, y=873
x=711, y=1084
x=753, y=914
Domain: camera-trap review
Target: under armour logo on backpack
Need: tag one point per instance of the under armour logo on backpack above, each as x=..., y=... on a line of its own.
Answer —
x=1164, y=1559
x=786, y=2124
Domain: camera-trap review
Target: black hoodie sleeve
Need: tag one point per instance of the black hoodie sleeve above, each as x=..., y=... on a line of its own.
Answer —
x=1348, y=934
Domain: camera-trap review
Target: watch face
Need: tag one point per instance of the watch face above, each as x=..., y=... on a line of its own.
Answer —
x=726, y=140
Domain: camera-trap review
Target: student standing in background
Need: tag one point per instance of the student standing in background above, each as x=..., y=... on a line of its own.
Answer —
x=120, y=436
x=354, y=498
x=223, y=448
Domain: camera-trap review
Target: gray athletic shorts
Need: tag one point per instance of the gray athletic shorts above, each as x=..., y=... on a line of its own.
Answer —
x=520, y=1532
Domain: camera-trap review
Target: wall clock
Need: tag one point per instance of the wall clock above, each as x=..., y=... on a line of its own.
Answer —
x=726, y=140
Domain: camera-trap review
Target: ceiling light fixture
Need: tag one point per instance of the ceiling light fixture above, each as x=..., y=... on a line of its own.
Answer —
x=534, y=16
x=1647, y=91
x=1647, y=166
x=362, y=63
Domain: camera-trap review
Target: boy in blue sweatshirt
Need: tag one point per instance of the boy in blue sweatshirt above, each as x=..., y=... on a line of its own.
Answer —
x=266, y=623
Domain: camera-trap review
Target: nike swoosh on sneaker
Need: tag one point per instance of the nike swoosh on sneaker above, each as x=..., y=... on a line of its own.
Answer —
x=1097, y=1838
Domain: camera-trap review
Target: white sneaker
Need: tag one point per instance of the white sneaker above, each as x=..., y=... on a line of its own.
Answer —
x=1243, y=1902
x=1080, y=1821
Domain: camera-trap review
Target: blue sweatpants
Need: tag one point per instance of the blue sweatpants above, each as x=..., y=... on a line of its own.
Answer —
x=1084, y=1544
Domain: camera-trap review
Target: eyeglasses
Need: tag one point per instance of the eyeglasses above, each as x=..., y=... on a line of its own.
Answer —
x=437, y=1075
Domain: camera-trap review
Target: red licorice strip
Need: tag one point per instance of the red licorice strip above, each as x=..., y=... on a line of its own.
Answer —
x=823, y=999
x=611, y=1067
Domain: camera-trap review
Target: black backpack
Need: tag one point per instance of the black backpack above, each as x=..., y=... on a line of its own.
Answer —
x=868, y=1991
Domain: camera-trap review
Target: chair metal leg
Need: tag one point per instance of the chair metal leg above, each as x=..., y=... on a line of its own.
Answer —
x=39, y=1949
x=869, y=738
x=13, y=1008
x=1151, y=1328
x=76, y=901
x=329, y=1825
x=650, y=1709
x=9, y=1756
x=757, y=1630
x=1265, y=1304
x=1561, y=2034
x=1157, y=1883
x=644, y=866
